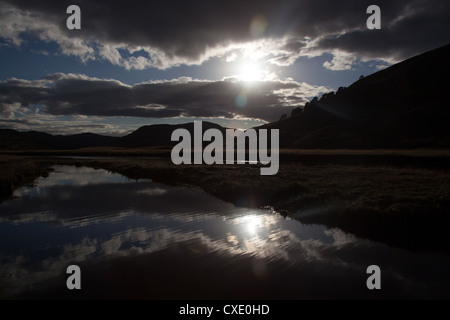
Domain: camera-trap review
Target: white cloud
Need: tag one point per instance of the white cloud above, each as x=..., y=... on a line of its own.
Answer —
x=85, y=101
x=340, y=61
x=15, y=23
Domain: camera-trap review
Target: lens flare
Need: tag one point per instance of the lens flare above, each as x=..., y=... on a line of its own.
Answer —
x=258, y=26
x=241, y=100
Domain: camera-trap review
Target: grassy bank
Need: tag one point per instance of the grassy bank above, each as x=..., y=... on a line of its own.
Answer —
x=18, y=171
x=403, y=204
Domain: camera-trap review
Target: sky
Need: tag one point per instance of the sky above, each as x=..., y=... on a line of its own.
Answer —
x=237, y=63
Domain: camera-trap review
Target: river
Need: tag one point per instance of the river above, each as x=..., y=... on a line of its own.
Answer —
x=145, y=240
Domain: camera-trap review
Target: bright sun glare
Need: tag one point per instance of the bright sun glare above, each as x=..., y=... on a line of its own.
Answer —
x=252, y=223
x=250, y=71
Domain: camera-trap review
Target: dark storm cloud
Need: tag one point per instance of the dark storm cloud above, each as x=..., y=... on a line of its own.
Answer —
x=177, y=32
x=62, y=94
x=418, y=27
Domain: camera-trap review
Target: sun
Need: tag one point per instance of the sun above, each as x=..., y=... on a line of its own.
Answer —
x=250, y=71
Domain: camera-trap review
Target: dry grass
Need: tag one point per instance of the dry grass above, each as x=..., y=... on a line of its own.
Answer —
x=96, y=151
x=371, y=152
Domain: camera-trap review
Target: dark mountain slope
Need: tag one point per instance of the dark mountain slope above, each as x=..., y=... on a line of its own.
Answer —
x=15, y=140
x=160, y=134
x=403, y=106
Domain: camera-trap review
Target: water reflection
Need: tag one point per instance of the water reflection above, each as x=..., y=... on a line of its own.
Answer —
x=140, y=239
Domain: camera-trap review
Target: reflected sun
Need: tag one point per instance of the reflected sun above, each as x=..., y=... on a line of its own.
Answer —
x=252, y=223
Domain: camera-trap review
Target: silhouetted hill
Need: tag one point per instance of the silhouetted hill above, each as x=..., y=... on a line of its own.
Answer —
x=403, y=106
x=146, y=136
x=83, y=140
x=160, y=134
x=15, y=140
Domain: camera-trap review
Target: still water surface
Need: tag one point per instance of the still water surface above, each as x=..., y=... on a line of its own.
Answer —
x=141, y=239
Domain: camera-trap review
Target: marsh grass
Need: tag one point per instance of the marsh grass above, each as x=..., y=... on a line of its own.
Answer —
x=18, y=171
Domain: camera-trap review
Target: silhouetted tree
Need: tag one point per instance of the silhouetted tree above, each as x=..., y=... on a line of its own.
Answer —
x=361, y=77
x=340, y=90
x=326, y=96
x=296, y=111
x=307, y=106
x=283, y=116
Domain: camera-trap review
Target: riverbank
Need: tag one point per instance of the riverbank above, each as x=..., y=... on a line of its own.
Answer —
x=403, y=205
x=16, y=171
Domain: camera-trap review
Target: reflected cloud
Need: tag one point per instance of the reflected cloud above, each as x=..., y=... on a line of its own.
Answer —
x=282, y=247
x=153, y=191
x=28, y=273
x=67, y=197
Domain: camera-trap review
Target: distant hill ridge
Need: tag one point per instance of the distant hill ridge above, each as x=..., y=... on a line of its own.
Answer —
x=403, y=106
x=152, y=135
